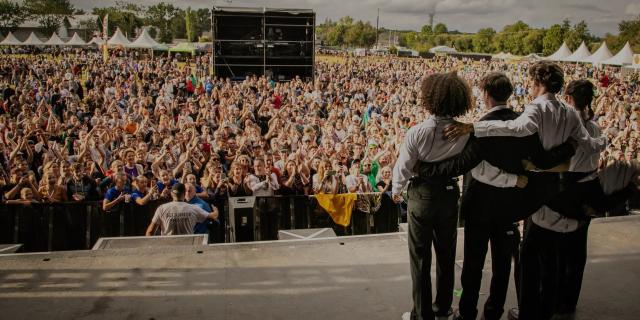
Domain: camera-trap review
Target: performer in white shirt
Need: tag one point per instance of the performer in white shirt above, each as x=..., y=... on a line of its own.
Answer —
x=433, y=205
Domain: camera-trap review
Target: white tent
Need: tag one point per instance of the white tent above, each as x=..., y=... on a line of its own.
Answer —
x=580, y=54
x=97, y=41
x=561, y=53
x=11, y=40
x=532, y=57
x=443, y=49
x=600, y=55
x=145, y=41
x=54, y=40
x=118, y=39
x=625, y=56
x=33, y=40
x=76, y=41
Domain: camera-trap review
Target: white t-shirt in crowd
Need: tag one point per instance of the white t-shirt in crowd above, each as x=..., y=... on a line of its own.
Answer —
x=177, y=218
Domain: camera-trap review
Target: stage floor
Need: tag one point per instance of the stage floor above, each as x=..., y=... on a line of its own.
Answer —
x=362, y=277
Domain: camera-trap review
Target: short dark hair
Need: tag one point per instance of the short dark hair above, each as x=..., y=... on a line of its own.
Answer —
x=446, y=94
x=581, y=91
x=497, y=85
x=548, y=74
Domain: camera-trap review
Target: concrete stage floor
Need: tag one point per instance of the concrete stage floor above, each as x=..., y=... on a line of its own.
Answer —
x=363, y=277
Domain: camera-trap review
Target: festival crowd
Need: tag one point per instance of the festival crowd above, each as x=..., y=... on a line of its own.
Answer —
x=76, y=129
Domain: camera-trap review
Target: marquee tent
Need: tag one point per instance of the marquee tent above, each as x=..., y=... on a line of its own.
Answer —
x=561, y=53
x=118, y=39
x=581, y=53
x=625, y=56
x=54, y=40
x=145, y=41
x=96, y=40
x=11, y=40
x=600, y=55
x=33, y=40
x=442, y=49
x=76, y=41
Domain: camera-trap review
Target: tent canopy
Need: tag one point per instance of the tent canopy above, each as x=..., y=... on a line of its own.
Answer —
x=184, y=47
x=560, y=54
x=11, y=40
x=54, y=40
x=76, y=41
x=97, y=41
x=118, y=39
x=581, y=53
x=145, y=41
x=33, y=40
x=444, y=49
x=600, y=55
x=625, y=56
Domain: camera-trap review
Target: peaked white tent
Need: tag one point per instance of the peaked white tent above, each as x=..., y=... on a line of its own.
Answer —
x=97, y=41
x=76, y=41
x=118, y=39
x=11, y=40
x=560, y=54
x=581, y=53
x=33, y=40
x=600, y=55
x=145, y=41
x=54, y=40
x=443, y=49
x=625, y=56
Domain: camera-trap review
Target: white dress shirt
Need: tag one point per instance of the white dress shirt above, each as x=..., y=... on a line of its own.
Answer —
x=424, y=142
x=550, y=118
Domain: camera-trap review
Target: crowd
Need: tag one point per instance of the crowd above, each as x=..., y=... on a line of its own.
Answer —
x=77, y=129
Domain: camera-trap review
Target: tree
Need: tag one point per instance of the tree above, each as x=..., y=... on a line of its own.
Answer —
x=12, y=14
x=426, y=29
x=553, y=39
x=50, y=14
x=630, y=31
x=532, y=43
x=578, y=34
x=123, y=15
x=440, y=28
x=483, y=40
x=189, y=27
x=161, y=16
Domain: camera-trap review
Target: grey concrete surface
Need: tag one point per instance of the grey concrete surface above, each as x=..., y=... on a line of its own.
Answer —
x=363, y=277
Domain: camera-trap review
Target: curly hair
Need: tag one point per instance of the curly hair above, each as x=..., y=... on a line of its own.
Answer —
x=446, y=95
x=548, y=74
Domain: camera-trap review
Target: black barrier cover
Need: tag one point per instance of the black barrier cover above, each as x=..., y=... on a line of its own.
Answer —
x=77, y=226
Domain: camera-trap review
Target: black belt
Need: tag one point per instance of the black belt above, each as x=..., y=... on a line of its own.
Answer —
x=435, y=181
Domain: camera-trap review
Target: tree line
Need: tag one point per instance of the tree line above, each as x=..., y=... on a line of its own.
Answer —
x=168, y=21
x=518, y=38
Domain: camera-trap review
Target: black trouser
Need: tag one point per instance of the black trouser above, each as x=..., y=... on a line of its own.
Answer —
x=538, y=273
x=572, y=257
x=505, y=240
x=432, y=217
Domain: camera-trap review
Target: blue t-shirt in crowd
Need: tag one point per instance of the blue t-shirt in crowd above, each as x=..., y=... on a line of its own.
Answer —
x=113, y=193
x=137, y=194
x=161, y=185
x=201, y=227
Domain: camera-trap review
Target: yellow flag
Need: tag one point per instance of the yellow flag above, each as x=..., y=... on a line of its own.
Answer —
x=338, y=206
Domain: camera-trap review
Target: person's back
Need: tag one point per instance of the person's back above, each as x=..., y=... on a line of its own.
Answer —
x=176, y=218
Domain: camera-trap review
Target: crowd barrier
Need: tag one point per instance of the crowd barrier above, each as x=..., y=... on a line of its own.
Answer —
x=77, y=226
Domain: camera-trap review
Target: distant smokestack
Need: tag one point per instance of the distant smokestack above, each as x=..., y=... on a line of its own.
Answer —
x=431, y=15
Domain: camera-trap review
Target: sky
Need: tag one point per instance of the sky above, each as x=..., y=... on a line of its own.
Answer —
x=463, y=15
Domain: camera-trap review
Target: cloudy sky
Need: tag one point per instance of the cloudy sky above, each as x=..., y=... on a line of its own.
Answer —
x=464, y=15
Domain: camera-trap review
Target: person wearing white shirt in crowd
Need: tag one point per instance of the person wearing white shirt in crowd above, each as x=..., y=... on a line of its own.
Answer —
x=357, y=182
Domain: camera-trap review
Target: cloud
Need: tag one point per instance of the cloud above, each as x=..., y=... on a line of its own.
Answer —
x=632, y=9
